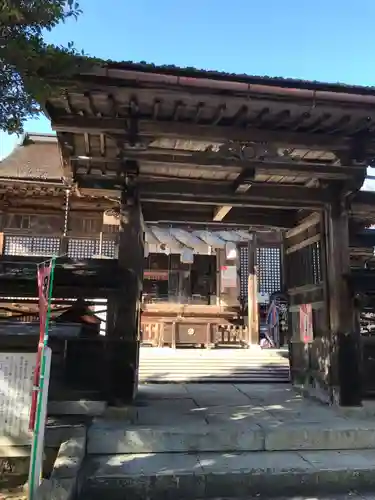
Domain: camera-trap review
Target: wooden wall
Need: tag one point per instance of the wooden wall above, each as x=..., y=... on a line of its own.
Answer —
x=79, y=223
x=305, y=279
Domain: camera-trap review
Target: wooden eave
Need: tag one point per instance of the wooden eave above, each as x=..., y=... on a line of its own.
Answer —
x=31, y=182
x=206, y=139
x=30, y=188
x=175, y=126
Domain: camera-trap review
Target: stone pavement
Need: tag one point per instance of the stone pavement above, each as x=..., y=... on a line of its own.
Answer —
x=348, y=496
x=211, y=440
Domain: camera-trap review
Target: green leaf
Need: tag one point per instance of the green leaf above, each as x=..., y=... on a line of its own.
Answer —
x=26, y=59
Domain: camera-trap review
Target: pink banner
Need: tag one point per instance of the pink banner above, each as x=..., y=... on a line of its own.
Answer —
x=306, y=323
x=44, y=277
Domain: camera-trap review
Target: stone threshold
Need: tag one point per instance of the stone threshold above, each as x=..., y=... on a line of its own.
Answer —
x=233, y=475
x=114, y=437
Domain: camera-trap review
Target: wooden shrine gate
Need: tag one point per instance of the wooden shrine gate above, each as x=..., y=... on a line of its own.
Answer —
x=170, y=146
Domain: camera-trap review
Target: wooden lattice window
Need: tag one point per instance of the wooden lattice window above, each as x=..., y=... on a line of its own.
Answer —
x=85, y=248
x=109, y=248
x=268, y=270
x=31, y=246
x=316, y=260
x=81, y=248
x=244, y=272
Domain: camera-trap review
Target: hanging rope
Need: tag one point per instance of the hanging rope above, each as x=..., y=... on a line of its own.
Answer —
x=66, y=215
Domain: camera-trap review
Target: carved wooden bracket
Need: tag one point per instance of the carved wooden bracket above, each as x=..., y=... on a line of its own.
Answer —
x=250, y=151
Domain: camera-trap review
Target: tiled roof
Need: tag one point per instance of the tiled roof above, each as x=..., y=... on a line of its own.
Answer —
x=36, y=158
x=251, y=79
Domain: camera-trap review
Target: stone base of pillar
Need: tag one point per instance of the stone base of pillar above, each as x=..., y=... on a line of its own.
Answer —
x=122, y=371
x=349, y=374
x=109, y=367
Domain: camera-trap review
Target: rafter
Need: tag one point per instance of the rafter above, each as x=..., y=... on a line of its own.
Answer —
x=192, y=131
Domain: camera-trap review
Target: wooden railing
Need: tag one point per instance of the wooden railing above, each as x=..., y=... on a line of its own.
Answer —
x=75, y=247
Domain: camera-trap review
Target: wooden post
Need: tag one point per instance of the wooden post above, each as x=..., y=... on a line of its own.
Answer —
x=130, y=260
x=110, y=316
x=123, y=346
x=2, y=243
x=252, y=295
x=64, y=246
x=344, y=336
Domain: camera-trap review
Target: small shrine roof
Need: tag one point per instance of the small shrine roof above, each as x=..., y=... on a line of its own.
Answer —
x=36, y=158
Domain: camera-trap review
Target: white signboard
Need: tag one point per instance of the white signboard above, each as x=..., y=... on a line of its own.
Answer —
x=36, y=463
x=16, y=383
x=263, y=297
x=228, y=277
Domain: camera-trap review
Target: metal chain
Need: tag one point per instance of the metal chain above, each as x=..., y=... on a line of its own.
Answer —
x=66, y=215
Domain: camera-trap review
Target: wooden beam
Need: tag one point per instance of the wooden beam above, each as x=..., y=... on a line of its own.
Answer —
x=309, y=221
x=265, y=167
x=240, y=185
x=279, y=219
x=234, y=201
x=204, y=189
x=204, y=192
x=176, y=130
x=303, y=244
x=221, y=212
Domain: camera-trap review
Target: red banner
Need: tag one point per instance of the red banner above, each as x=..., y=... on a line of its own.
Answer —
x=44, y=278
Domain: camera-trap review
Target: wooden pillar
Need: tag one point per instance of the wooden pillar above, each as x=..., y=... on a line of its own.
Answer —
x=124, y=340
x=344, y=336
x=252, y=293
x=130, y=260
x=110, y=316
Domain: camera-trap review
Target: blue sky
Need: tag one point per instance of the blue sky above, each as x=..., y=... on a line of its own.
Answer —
x=326, y=40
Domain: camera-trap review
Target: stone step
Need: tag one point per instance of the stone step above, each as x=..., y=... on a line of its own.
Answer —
x=216, y=365
x=113, y=437
x=231, y=475
x=255, y=376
